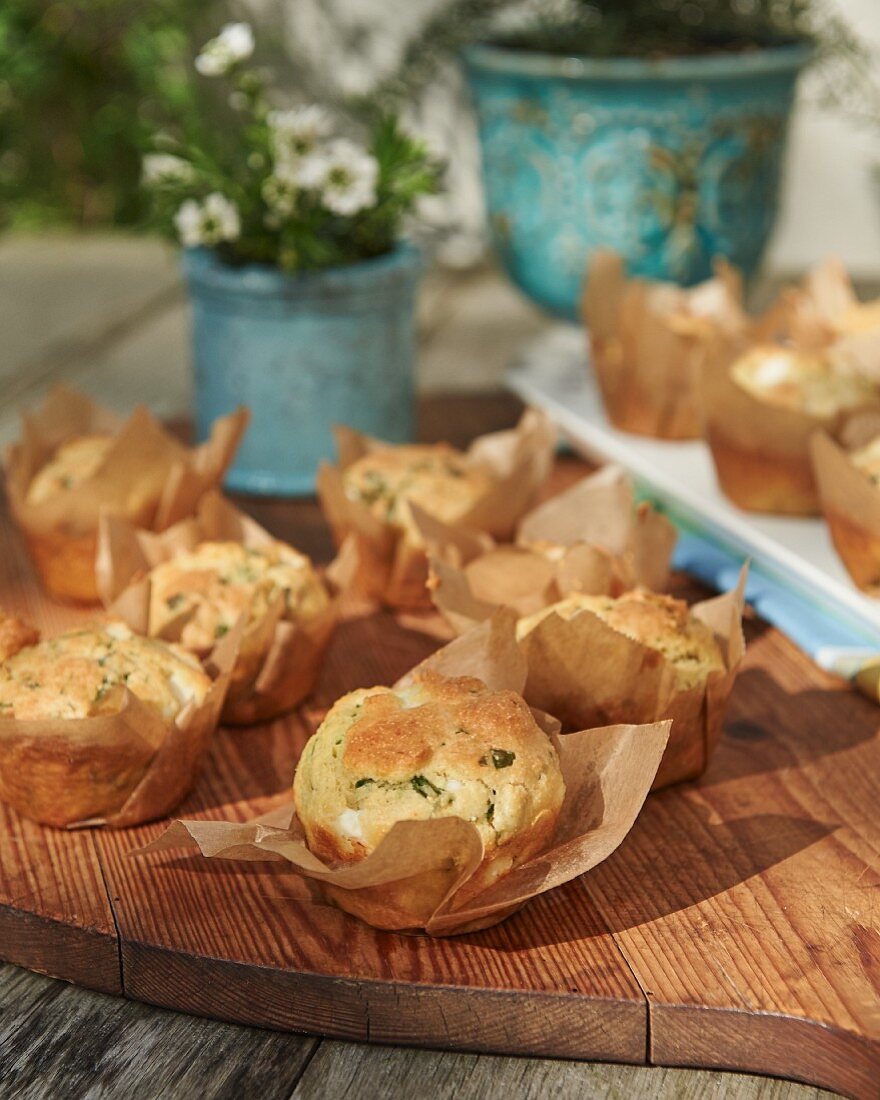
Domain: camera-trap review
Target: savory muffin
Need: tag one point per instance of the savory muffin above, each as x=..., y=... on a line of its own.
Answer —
x=848, y=483
x=659, y=622
x=437, y=478
x=102, y=725
x=804, y=382
x=76, y=461
x=71, y=464
x=83, y=673
x=434, y=748
x=209, y=588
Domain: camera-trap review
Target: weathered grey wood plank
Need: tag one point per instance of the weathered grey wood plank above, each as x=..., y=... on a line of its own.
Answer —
x=346, y=1071
x=58, y=1041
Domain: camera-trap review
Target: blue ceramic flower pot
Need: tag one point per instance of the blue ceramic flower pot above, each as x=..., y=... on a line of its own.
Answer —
x=669, y=162
x=303, y=352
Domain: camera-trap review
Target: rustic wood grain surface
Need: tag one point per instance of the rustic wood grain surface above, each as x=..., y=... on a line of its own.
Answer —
x=734, y=928
x=58, y=1040
x=62, y=1042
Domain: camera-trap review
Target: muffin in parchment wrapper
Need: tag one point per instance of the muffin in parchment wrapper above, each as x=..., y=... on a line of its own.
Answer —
x=761, y=446
x=592, y=537
x=848, y=477
x=417, y=877
x=586, y=672
x=139, y=472
x=484, y=489
x=281, y=648
x=823, y=309
x=123, y=765
x=646, y=343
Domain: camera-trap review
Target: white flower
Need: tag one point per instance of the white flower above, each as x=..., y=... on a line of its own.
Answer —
x=279, y=192
x=164, y=168
x=297, y=132
x=344, y=173
x=207, y=223
x=233, y=44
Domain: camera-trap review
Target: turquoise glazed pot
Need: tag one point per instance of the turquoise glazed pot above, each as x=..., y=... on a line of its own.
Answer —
x=669, y=162
x=303, y=352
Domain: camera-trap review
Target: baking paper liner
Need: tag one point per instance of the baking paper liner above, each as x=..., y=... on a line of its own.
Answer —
x=391, y=567
x=761, y=450
x=147, y=477
x=850, y=502
x=605, y=544
x=607, y=774
x=116, y=769
x=585, y=672
x=646, y=344
x=279, y=660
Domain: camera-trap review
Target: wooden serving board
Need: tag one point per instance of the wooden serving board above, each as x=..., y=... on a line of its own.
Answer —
x=738, y=926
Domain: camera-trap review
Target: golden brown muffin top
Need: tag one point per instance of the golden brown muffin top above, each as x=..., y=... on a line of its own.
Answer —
x=210, y=587
x=798, y=380
x=83, y=673
x=437, y=477
x=435, y=748
x=660, y=622
x=74, y=462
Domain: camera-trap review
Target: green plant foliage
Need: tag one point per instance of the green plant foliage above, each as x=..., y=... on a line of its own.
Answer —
x=282, y=187
x=648, y=28
x=81, y=85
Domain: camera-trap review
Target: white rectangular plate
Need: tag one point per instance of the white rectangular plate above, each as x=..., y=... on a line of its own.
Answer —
x=793, y=553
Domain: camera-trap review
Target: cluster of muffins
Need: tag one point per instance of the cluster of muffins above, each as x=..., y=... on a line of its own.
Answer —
x=447, y=800
x=430, y=804
x=208, y=616
x=785, y=401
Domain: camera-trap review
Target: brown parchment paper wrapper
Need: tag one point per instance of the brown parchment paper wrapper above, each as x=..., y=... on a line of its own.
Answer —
x=116, y=769
x=850, y=502
x=823, y=307
x=646, y=344
x=147, y=478
x=411, y=881
x=761, y=450
x=391, y=567
x=608, y=544
x=584, y=672
x=279, y=660
x=822, y=313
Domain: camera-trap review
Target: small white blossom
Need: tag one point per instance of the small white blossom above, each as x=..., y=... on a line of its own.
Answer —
x=280, y=193
x=165, y=168
x=296, y=133
x=207, y=223
x=234, y=43
x=344, y=173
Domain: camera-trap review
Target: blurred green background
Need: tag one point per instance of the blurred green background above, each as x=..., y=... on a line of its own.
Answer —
x=83, y=84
